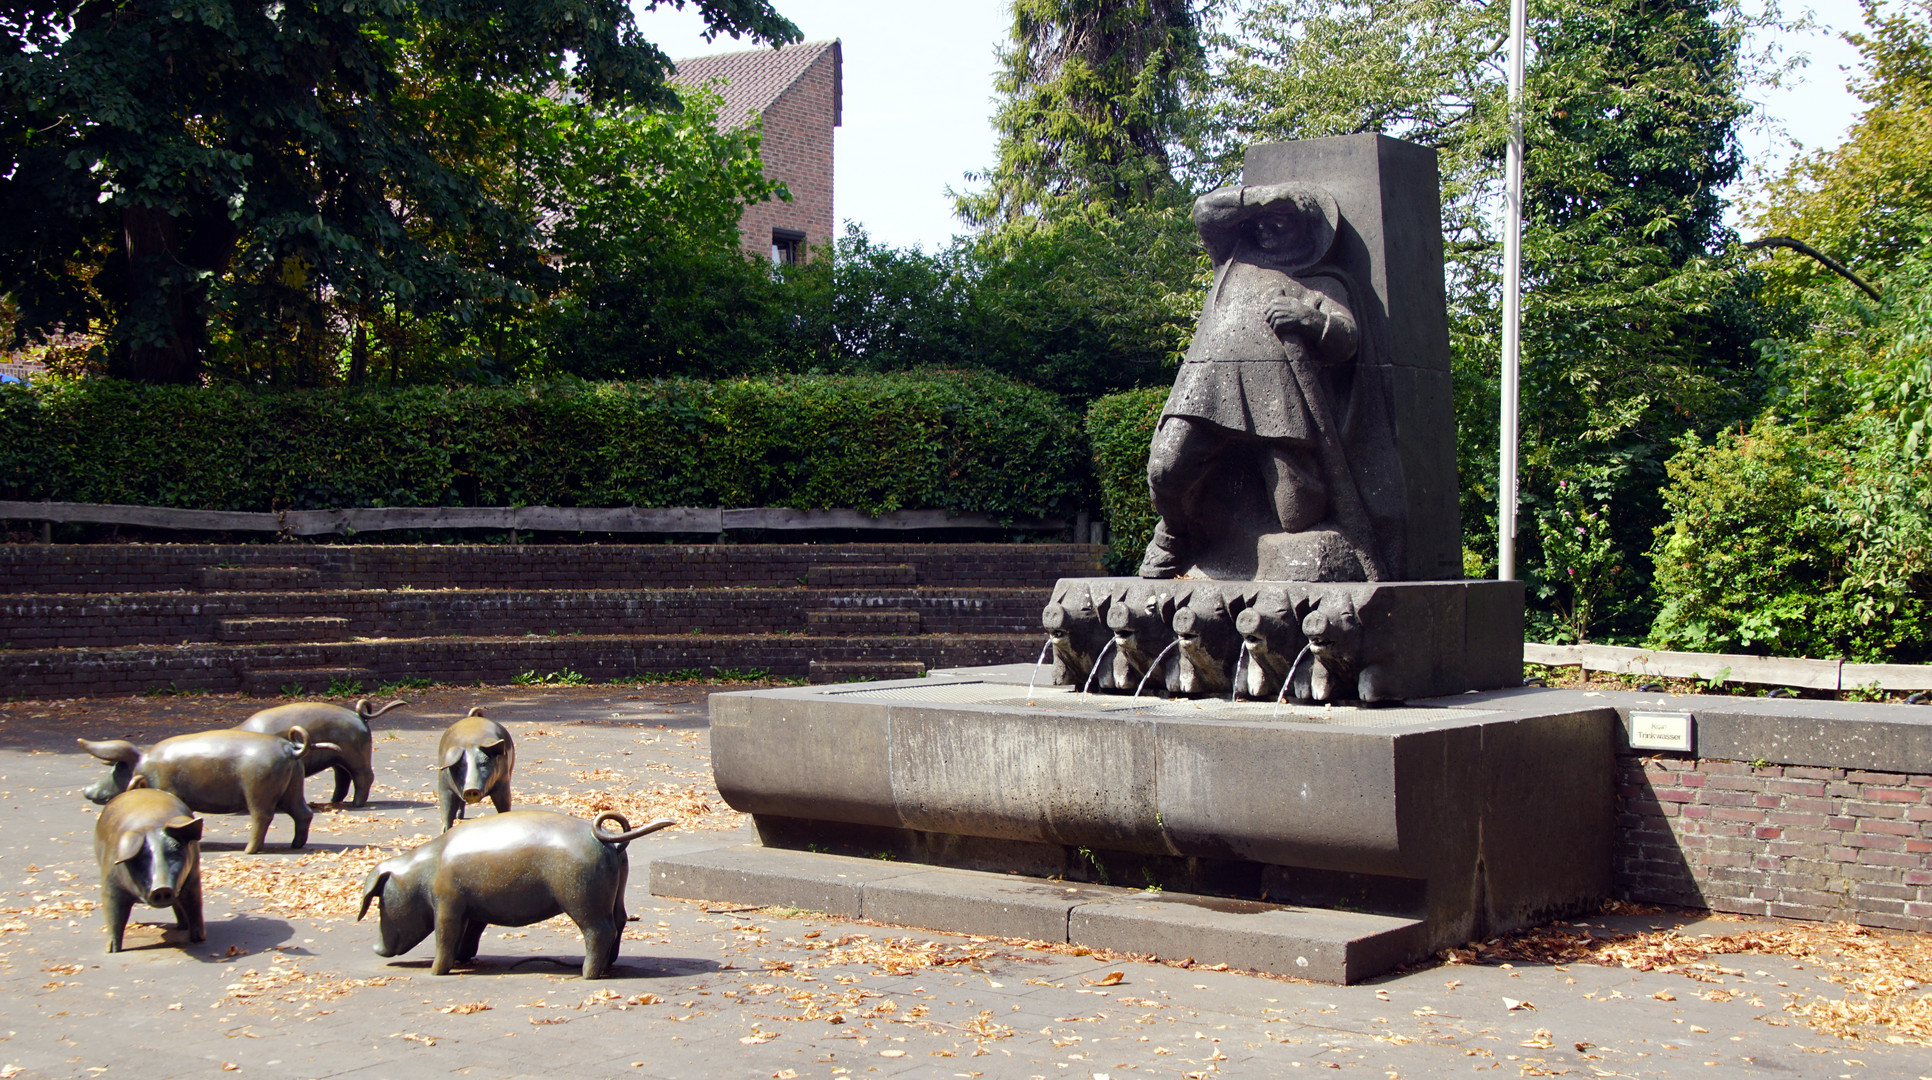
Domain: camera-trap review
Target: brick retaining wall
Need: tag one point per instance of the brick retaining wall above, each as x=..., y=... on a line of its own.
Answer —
x=105, y=672
x=74, y=620
x=1792, y=841
x=122, y=568
x=1791, y=808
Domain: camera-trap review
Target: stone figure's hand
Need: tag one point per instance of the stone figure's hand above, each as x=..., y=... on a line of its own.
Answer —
x=1288, y=314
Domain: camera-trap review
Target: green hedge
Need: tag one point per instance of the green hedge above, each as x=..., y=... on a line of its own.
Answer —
x=970, y=443
x=1121, y=427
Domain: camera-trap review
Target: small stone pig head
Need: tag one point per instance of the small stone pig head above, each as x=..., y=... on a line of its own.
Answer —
x=155, y=863
x=476, y=756
x=1334, y=633
x=408, y=912
x=121, y=754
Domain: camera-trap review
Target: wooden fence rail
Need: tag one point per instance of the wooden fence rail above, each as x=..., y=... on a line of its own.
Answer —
x=621, y=519
x=1728, y=668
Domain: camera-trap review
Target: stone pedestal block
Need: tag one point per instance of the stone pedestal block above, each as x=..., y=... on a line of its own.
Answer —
x=1466, y=821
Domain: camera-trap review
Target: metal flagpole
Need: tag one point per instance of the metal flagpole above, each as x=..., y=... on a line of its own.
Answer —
x=1512, y=303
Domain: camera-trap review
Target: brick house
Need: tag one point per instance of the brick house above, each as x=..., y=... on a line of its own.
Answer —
x=797, y=92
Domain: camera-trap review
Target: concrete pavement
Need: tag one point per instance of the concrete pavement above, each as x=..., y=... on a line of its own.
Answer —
x=286, y=984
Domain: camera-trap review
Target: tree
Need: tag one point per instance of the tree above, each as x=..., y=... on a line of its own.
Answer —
x=1094, y=104
x=1862, y=202
x=641, y=211
x=331, y=143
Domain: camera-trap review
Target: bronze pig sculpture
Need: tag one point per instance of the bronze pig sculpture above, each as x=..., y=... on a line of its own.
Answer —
x=149, y=849
x=474, y=758
x=513, y=869
x=350, y=749
x=217, y=772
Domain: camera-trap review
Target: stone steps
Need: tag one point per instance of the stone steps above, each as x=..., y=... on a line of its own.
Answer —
x=869, y=622
x=1308, y=943
x=843, y=671
x=258, y=578
x=260, y=618
x=44, y=620
x=295, y=682
x=299, y=628
x=266, y=667
x=841, y=576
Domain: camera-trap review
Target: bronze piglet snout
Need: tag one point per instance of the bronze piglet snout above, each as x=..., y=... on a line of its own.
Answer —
x=513, y=869
x=149, y=849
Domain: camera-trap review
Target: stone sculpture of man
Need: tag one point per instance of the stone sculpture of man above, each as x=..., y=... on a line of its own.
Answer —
x=1275, y=330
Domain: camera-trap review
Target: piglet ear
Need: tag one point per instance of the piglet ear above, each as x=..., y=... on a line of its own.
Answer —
x=130, y=845
x=451, y=756
x=494, y=747
x=115, y=750
x=186, y=830
x=372, y=888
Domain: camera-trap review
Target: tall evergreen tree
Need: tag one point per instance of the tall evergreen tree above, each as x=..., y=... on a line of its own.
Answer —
x=1094, y=104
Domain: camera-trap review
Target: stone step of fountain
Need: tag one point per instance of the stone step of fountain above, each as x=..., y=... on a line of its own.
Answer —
x=842, y=671
x=1309, y=943
x=868, y=622
x=861, y=577
x=296, y=628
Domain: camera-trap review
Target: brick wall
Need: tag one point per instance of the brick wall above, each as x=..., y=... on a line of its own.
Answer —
x=797, y=151
x=105, y=672
x=127, y=568
x=78, y=620
x=1794, y=841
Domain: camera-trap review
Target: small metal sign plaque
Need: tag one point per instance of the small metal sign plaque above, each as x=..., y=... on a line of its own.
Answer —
x=1660, y=730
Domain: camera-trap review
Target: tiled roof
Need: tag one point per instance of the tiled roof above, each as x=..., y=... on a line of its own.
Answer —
x=753, y=80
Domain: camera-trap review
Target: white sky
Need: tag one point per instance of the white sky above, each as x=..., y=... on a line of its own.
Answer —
x=919, y=99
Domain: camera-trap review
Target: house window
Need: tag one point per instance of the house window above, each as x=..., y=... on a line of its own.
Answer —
x=787, y=247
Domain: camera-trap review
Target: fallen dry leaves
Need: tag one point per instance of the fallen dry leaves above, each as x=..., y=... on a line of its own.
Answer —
x=325, y=885
x=692, y=806
x=45, y=907
x=286, y=980
x=1884, y=974
x=893, y=956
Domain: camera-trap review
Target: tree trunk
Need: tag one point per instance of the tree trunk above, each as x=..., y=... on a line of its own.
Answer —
x=166, y=346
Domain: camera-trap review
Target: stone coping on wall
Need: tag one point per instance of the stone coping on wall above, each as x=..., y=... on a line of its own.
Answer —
x=1871, y=736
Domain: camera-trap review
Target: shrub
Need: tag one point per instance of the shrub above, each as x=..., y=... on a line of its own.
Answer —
x=1797, y=542
x=1121, y=427
x=935, y=440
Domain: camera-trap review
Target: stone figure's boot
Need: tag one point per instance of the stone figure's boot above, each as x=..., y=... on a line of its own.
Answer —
x=1166, y=555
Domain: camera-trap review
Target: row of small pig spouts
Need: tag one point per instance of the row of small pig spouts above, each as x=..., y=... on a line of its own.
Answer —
x=511, y=869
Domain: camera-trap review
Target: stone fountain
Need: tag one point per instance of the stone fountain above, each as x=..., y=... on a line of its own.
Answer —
x=1264, y=748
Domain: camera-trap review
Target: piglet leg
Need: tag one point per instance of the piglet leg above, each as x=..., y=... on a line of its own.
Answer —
x=601, y=940
x=115, y=905
x=450, y=925
x=187, y=909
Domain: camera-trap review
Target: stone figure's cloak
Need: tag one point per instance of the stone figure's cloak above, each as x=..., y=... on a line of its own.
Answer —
x=1236, y=375
x=1226, y=382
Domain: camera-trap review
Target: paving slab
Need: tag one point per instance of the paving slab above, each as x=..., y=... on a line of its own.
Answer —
x=721, y=991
